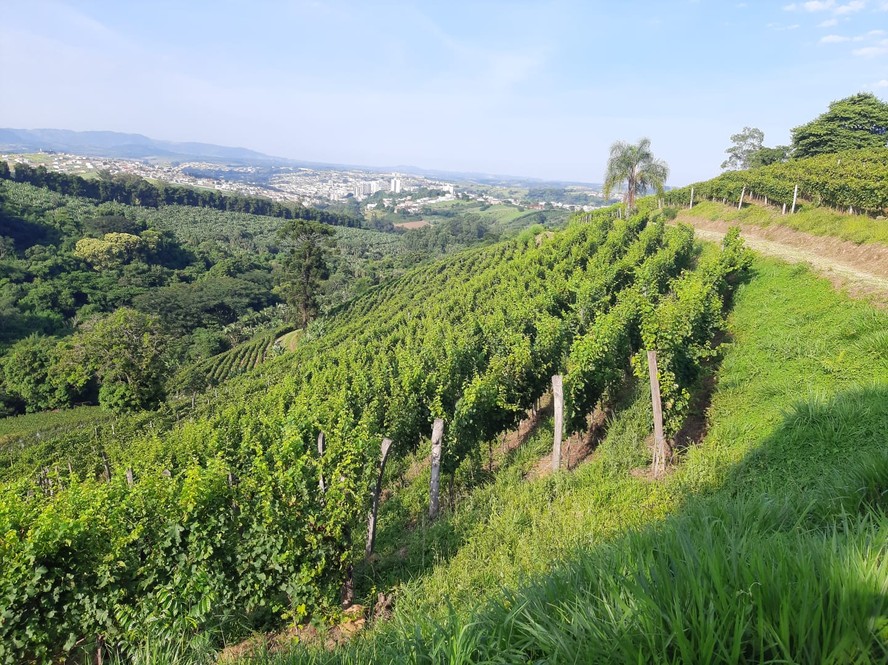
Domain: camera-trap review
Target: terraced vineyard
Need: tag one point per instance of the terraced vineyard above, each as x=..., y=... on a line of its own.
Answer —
x=856, y=180
x=473, y=340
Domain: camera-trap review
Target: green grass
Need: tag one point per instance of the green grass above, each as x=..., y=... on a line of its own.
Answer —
x=289, y=340
x=767, y=543
x=814, y=220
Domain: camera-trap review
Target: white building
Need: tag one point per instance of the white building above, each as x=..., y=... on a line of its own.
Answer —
x=396, y=186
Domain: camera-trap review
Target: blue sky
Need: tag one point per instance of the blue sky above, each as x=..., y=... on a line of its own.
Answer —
x=525, y=88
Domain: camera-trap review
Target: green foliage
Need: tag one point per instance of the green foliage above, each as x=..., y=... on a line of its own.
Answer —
x=637, y=167
x=66, y=260
x=27, y=372
x=125, y=350
x=856, y=179
x=765, y=156
x=220, y=367
x=305, y=266
x=766, y=542
x=238, y=526
x=853, y=123
x=746, y=143
x=133, y=190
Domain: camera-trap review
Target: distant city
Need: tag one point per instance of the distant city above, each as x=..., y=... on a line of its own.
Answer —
x=402, y=192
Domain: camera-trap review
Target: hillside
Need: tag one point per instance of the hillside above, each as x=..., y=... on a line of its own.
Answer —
x=850, y=181
x=118, y=144
x=239, y=504
x=779, y=501
x=216, y=494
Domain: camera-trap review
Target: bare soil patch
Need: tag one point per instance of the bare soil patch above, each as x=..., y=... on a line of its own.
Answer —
x=412, y=226
x=861, y=269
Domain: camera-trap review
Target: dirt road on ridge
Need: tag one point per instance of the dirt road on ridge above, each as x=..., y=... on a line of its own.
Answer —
x=861, y=269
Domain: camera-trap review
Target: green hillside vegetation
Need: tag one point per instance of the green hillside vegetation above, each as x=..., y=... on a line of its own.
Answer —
x=232, y=530
x=853, y=180
x=766, y=543
x=207, y=405
x=819, y=221
x=228, y=364
x=136, y=191
x=196, y=280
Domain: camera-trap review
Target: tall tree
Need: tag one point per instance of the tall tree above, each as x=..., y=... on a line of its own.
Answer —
x=745, y=144
x=635, y=165
x=859, y=121
x=125, y=350
x=305, y=265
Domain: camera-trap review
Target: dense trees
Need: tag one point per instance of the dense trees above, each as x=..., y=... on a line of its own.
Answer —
x=125, y=350
x=304, y=266
x=136, y=191
x=859, y=121
x=635, y=165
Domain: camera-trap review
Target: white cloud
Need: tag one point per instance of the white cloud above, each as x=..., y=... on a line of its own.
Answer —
x=828, y=23
x=880, y=84
x=811, y=6
x=871, y=51
x=838, y=39
x=829, y=5
x=851, y=7
x=818, y=6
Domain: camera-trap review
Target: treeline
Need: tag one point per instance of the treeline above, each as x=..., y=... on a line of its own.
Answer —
x=76, y=274
x=136, y=191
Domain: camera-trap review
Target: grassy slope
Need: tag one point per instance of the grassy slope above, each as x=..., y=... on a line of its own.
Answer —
x=767, y=535
x=817, y=221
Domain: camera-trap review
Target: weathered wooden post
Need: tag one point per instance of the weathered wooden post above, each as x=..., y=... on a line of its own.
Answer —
x=435, y=487
x=374, y=508
x=742, y=192
x=129, y=476
x=558, y=406
x=784, y=208
x=659, y=461
x=795, y=196
x=321, y=457
x=107, y=467
x=691, y=204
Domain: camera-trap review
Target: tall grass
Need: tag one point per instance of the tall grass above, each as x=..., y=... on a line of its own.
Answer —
x=819, y=221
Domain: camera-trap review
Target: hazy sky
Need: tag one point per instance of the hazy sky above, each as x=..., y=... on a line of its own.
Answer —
x=525, y=88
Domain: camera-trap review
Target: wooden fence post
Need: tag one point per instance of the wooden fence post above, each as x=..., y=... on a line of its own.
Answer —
x=795, y=195
x=435, y=487
x=558, y=407
x=374, y=508
x=742, y=192
x=321, y=457
x=129, y=476
x=784, y=208
x=691, y=204
x=659, y=461
x=107, y=467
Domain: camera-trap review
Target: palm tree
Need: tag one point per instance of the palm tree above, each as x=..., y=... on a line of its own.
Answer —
x=637, y=167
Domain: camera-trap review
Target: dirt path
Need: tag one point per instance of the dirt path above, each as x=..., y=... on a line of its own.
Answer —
x=861, y=269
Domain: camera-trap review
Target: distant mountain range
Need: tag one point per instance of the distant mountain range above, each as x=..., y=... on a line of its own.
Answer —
x=136, y=146
x=123, y=146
